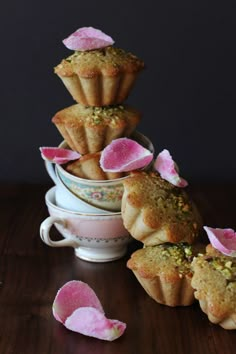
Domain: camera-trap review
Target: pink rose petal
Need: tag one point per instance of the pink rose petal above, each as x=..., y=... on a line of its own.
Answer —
x=77, y=306
x=87, y=38
x=165, y=165
x=58, y=155
x=123, y=155
x=71, y=296
x=91, y=322
x=224, y=240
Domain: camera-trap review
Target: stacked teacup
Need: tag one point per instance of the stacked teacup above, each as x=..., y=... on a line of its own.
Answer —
x=85, y=204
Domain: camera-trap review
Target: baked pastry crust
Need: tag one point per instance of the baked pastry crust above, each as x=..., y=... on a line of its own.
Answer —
x=214, y=281
x=88, y=167
x=154, y=211
x=99, y=77
x=165, y=272
x=90, y=129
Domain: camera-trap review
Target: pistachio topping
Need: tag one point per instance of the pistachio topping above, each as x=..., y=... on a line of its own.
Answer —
x=181, y=253
x=224, y=265
x=110, y=53
x=113, y=114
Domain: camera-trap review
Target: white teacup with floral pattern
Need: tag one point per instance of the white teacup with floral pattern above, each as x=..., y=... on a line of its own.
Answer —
x=105, y=194
x=67, y=200
x=94, y=237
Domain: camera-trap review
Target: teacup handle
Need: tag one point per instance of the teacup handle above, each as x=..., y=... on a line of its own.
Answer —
x=50, y=167
x=45, y=228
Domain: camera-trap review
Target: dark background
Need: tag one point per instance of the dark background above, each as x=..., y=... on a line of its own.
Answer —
x=186, y=93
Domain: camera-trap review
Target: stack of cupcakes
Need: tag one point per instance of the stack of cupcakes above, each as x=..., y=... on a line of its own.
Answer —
x=167, y=222
x=99, y=77
x=157, y=211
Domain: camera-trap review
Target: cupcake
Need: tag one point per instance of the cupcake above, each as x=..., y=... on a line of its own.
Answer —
x=97, y=74
x=214, y=281
x=90, y=129
x=88, y=167
x=154, y=211
x=164, y=271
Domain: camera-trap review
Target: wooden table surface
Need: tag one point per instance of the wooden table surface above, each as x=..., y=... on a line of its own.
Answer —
x=31, y=273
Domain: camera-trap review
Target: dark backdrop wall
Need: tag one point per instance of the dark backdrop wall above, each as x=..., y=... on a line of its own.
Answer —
x=186, y=93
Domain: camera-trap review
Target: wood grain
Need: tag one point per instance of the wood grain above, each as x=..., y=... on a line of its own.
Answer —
x=31, y=273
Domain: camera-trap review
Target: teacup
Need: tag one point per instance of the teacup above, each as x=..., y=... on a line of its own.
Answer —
x=65, y=199
x=104, y=194
x=94, y=237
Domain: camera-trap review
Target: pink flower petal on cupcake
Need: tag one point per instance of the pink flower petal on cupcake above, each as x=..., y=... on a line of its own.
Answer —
x=91, y=322
x=72, y=295
x=167, y=168
x=224, y=240
x=58, y=155
x=87, y=38
x=123, y=155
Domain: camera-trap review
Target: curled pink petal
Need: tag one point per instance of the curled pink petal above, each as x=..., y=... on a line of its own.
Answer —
x=224, y=240
x=123, y=155
x=167, y=168
x=58, y=155
x=71, y=296
x=87, y=38
x=77, y=306
x=91, y=322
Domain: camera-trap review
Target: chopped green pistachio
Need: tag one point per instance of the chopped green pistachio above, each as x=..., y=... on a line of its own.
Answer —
x=228, y=264
x=181, y=253
x=225, y=266
x=188, y=251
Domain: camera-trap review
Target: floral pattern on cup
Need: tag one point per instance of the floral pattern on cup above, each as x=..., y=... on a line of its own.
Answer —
x=105, y=194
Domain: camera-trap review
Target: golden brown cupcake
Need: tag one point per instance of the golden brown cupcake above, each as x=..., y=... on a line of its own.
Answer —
x=99, y=77
x=90, y=129
x=165, y=272
x=88, y=167
x=155, y=211
x=214, y=281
